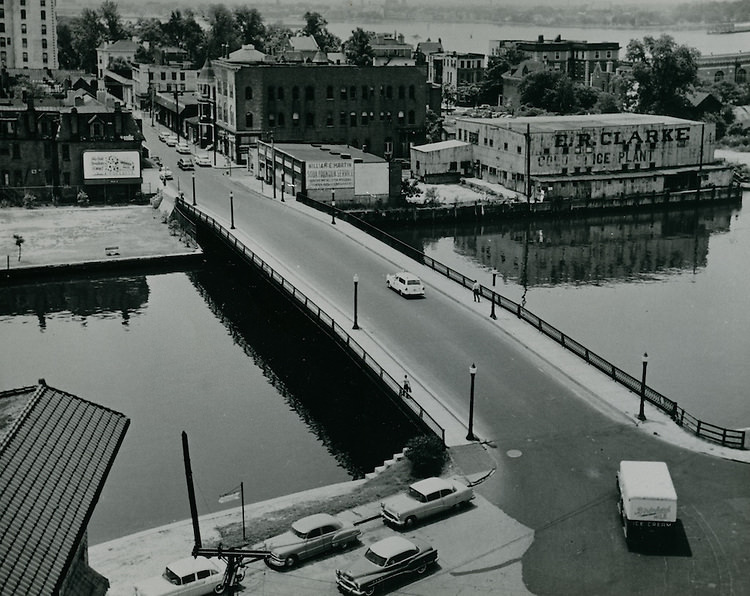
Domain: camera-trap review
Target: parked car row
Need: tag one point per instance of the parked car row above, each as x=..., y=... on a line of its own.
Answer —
x=315, y=535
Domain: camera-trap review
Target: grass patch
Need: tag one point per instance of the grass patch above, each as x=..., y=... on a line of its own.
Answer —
x=392, y=480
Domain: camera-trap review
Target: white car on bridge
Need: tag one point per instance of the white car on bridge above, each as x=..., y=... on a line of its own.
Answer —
x=405, y=283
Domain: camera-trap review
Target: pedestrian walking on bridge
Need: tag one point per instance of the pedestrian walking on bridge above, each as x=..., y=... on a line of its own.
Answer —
x=475, y=289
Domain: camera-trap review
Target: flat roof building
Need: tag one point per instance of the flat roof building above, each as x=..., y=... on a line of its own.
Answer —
x=592, y=156
x=28, y=30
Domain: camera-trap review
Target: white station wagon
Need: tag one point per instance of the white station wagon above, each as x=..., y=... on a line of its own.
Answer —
x=191, y=576
x=405, y=283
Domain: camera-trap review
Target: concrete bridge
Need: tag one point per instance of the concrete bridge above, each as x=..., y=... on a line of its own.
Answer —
x=555, y=428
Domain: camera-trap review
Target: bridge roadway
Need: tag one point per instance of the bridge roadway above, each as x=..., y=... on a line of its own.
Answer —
x=554, y=428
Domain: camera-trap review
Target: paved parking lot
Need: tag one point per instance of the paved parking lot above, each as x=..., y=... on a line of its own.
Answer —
x=480, y=550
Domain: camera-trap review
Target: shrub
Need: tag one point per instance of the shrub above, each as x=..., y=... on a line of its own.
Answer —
x=427, y=455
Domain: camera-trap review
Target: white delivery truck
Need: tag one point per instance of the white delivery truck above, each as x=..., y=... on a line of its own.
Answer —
x=648, y=501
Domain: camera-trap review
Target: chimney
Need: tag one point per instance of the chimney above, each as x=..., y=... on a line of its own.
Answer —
x=118, y=120
x=540, y=39
x=74, y=122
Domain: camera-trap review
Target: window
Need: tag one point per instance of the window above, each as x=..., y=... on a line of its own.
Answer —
x=401, y=92
x=248, y=92
x=24, y=43
x=66, y=178
x=353, y=119
x=44, y=44
x=310, y=120
x=453, y=166
x=309, y=93
x=204, y=573
x=44, y=28
x=96, y=130
x=411, y=117
x=66, y=152
x=163, y=75
x=719, y=76
x=271, y=120
x=342, y=118
x=389, y=92
x=282, y=119
x=295, y=119
x=295, y=92
x=518, y=148
x=329, y=119
x=45, y=57
x=174, y=76
x=23, y=13
x=271, y=93
x=353, y=92
x=342, y=93
x=280, y=93
x=25, y=56
x=248, y=119
x=43, y=15
x=182, y=75
x=364, y=91
x=23, y=28
x=363, y=119
x=411, y=92
x=329, y=92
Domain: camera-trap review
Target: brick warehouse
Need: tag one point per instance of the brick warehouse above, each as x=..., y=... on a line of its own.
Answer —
x=249, y=96
x=593, y=156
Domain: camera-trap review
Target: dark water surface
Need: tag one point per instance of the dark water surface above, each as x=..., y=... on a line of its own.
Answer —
x=264, y=397
x=673, y=284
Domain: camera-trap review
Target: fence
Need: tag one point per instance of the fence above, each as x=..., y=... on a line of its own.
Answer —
x=317, y=314
x=724, y=436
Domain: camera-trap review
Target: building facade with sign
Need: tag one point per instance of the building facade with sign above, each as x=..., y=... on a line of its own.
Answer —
x=53, y=152
x=593, y=156
x=327, y=172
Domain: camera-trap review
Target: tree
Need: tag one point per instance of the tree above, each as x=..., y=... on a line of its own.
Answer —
x=427, y=455
x=276, y=39
x=467, y=93
x=114, y=28
x=66, y=55
x=88, y=34
x=433, y=124
x=149, y=30
x=316, y=27
x=223, y=32
x=250, y=27
x=663, y=73
x=358, y=49
x=18, y=239
x=182, y=31
x=552, y=91
x=497, y=66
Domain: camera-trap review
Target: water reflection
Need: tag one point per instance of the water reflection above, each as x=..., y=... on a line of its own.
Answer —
x=349, y=414
x=590, y=250
x=78, y=298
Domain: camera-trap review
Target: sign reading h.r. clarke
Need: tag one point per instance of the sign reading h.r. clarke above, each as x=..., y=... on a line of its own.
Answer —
x=322, y=175
x=618, y=137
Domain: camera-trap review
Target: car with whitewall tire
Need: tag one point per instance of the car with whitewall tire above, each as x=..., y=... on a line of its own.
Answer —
x=423, y=499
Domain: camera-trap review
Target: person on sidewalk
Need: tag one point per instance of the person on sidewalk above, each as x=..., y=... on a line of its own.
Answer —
x=406, y=388
x=475, y=289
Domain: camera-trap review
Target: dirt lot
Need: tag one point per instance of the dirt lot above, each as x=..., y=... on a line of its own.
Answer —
x=57, y=235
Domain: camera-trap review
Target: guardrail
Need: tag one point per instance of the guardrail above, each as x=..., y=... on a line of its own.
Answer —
x=318, y=315
x=712, y=432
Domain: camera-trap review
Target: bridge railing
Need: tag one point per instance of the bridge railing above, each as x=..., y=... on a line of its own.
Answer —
x=317, y=314
x=712, y=432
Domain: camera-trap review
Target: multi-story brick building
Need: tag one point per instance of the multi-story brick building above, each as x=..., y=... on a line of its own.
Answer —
x=578, y=59
x=28, y=34
x=249, y=96
x=53, y=151
x=452, y=70
x=714, y=68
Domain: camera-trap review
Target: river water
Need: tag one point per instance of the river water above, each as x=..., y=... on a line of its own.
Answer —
x=264, y=398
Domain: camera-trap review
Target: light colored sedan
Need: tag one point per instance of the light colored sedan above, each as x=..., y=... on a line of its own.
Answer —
x=202, y=160
x=183, y=148
x=423, y=499
x=308, y=537
x=191, y=576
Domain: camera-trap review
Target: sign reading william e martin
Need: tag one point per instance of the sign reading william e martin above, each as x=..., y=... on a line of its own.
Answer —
x=322, y=175
x=111, y=167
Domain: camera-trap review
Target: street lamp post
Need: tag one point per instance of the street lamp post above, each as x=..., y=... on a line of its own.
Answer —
x=641, y=415
x=231, y=210
x=333, y=207
x=494, y=276
x=473, y=373
x=356, y=283
x=283, y=184
x=193, y=175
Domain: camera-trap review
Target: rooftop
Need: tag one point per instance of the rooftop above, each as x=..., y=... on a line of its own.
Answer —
x=312, y=153
x=540, y=124
x=56, y=451
x=440, y=145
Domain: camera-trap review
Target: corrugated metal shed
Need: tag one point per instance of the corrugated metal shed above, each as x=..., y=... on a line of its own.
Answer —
x=54, y=459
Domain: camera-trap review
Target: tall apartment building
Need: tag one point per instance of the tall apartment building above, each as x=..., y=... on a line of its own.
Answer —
x=28, y=34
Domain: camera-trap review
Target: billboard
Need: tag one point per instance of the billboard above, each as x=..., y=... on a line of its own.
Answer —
x=323, y=175
x=111, y=167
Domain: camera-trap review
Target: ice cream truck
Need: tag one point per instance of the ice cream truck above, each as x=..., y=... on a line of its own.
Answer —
x=648, y=501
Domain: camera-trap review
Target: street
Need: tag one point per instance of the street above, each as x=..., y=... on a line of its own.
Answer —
x=556, y=454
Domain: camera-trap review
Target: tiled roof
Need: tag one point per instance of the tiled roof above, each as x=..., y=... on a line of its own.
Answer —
x=54, y=460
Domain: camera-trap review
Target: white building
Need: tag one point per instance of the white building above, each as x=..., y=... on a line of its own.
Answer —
x=28, y=34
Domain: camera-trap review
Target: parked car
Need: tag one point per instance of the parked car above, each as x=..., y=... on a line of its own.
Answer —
x=385, y=560
x=171, y=140
x=405, y=283
x=183, y=148
x=425, y=498
x=185, y=163
x=191, y=576
x=163, y=134
x=309, y=537
x=165, y=174
x=203, y=161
